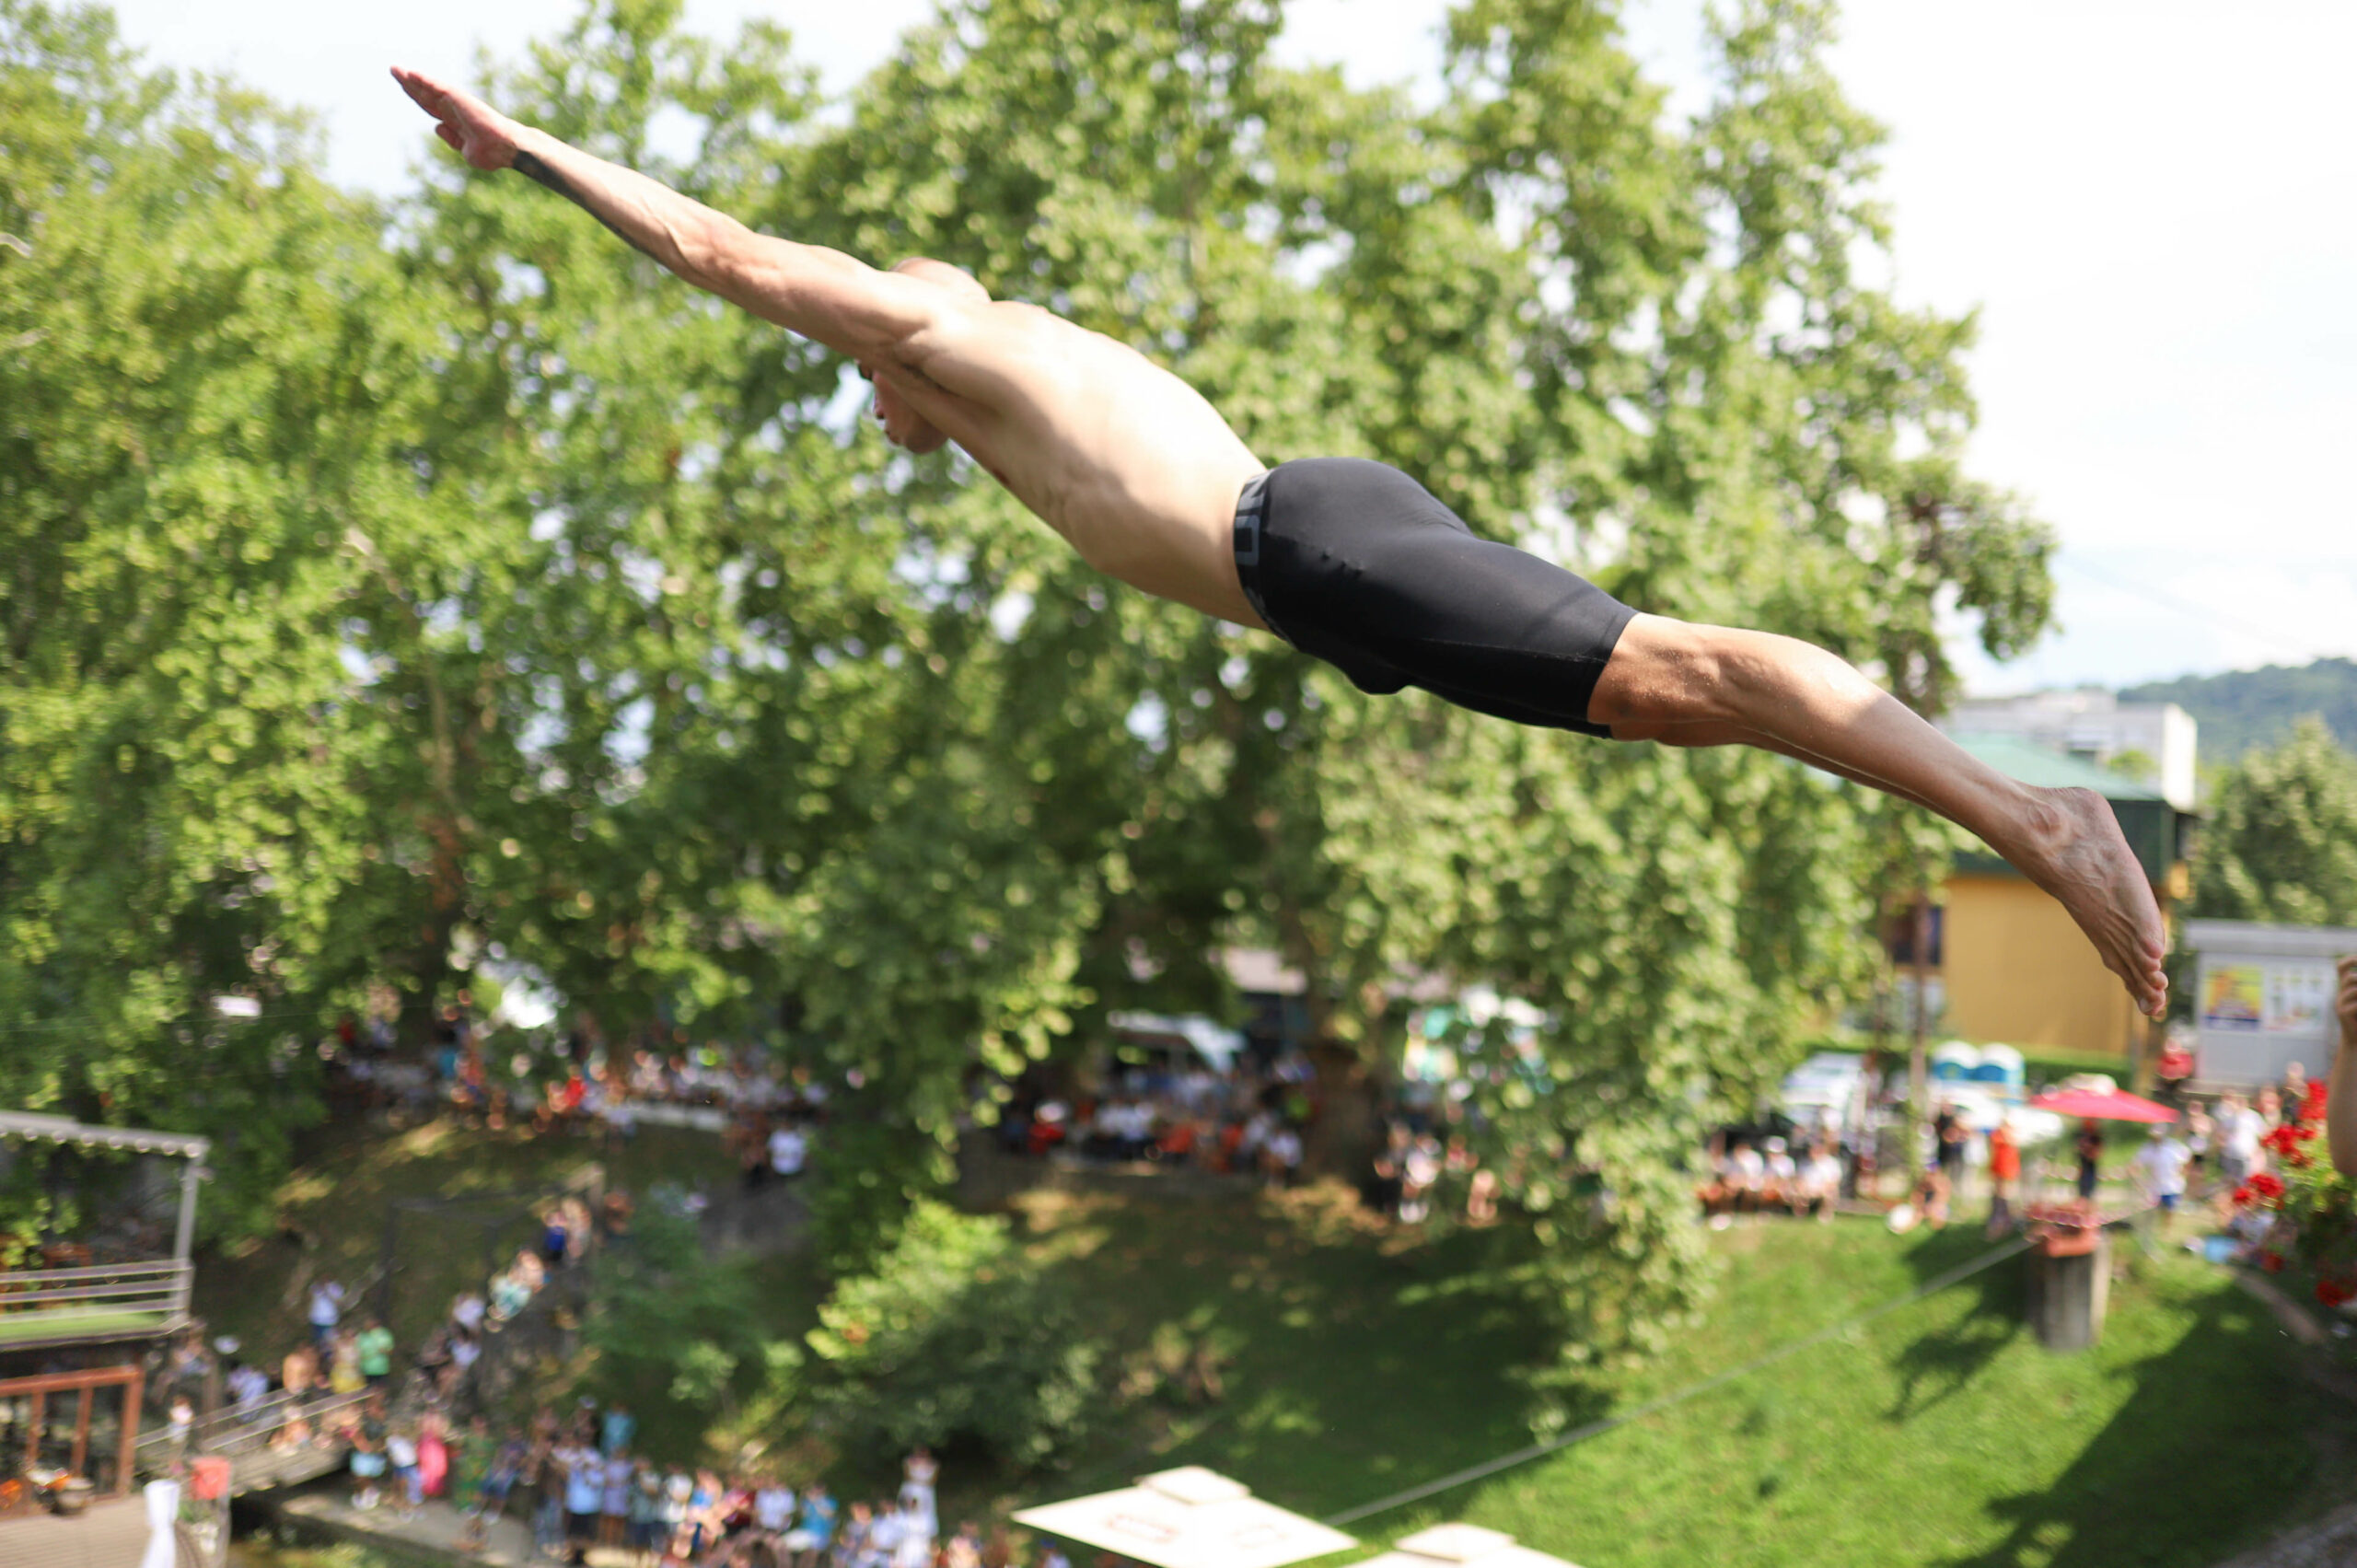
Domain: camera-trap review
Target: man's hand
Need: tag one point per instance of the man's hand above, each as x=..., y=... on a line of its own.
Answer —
x=485, y=137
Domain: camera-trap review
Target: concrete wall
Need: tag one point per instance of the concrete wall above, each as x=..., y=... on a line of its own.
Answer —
x=2017, y=970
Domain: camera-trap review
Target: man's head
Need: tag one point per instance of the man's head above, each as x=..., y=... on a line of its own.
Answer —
x=903, y=426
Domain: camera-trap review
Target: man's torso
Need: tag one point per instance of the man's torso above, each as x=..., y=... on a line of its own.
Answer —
x=1124, y=460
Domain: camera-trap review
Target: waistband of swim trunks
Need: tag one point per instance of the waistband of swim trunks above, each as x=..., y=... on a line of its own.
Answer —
x=1251, y=522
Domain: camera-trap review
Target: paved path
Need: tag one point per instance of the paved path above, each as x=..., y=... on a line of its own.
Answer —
x=433, y=1528
x=106, y=1535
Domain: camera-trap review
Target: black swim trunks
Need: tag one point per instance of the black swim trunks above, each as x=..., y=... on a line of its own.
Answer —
x=1355, y=562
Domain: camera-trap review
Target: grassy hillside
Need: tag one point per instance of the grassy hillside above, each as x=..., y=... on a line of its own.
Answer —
x=1348, y=1361
x=2244, y=708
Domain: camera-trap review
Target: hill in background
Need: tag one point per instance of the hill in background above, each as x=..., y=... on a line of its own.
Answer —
x=2243, y=708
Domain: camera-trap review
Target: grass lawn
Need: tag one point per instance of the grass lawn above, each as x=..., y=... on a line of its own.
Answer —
x=1940, y=1433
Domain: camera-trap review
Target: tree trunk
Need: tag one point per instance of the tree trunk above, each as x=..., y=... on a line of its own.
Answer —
x=1918, y=1054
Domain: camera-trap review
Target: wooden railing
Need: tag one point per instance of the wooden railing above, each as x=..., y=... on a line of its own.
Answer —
x=159, y=1287
x=245, y=1439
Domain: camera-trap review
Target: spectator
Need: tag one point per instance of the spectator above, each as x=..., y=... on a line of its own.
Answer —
x=1747, y=1175
x=1780, y=1175
x=367, y=1460
x=814, y=1532
x=373, y=1349
x=408, y=1482
x=2089, y=1148
x=2174, y=1068
x=1284, y=1155
x=918, y=1527
x=918, y=1473
x=648, y=1535
x=773, y=1506
x=616, y=1429
x=788, y=1151
x=619, y=1481
x=344, y=1363
x=583, y=1476
x=327, y=1306
x=2239, y=1130
x=2160, y=1172
x=248, y=1385
x=299, y=1372
x=1948, y=1136
x=1818, y=1183
x=433, y=1457
x=2005, y=1170
x=2201, y=1136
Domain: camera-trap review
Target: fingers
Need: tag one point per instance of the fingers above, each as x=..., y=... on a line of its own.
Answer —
x=451, y=135
x=422, y=90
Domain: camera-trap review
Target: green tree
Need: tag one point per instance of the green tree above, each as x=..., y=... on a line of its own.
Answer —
x=2281, y=844
x=203, y=363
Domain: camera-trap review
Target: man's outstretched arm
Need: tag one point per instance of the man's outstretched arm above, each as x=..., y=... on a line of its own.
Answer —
x=823, y=294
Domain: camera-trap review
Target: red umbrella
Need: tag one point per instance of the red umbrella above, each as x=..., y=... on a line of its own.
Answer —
x=2118, y=1105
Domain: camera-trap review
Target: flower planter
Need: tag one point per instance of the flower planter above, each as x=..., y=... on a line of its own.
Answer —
x=2069, y=1286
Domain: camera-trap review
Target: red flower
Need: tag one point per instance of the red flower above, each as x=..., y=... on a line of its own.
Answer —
x=2283, y=1139
x=2272, y=1261
x=2267, y=1184
x=2312, y=1108
x=2242, y=1197
x=2299, y=1159
x=2332, y=1293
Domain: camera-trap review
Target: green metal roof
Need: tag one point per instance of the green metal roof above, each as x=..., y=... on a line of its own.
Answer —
x=2034, y=764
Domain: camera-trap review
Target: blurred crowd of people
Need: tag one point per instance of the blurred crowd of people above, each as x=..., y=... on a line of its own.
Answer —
x=1250, y=1118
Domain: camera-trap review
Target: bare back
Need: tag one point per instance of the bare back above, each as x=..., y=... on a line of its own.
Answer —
x=1124, y=460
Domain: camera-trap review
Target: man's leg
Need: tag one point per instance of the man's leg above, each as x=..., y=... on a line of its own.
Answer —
x=1687, y=684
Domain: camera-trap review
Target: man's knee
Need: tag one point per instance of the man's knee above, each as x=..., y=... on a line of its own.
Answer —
x=1665, y=675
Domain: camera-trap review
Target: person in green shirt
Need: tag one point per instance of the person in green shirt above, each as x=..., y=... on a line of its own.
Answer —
x=376, y=1347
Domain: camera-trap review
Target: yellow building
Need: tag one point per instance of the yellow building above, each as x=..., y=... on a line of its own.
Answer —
x=2011, y=964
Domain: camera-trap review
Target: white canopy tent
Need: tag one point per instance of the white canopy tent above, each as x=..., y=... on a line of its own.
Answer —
x=1190, y=1518
x=1463, y=1546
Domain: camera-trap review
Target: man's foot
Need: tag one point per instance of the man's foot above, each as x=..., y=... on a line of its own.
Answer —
x=2078, y=853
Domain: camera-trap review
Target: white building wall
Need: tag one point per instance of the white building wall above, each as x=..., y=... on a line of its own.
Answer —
x=2095, y=724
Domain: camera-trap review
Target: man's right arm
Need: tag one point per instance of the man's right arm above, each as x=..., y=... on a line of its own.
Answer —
x=823, y=294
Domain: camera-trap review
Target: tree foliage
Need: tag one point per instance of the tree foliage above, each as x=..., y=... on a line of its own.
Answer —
x=2281, y=841
x=952, y=1338
x=409, y=590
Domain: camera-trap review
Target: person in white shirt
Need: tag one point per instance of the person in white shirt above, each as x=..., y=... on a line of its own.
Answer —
x=1284, y=1154
x=2239, y=1130
x=773, y=1506
x=1818, y=1183
x=1747, y=1174
x=788, y=1151
x=1779, y=1174
x=327, y=1306
x=917, y=1530
x=2160, y=1171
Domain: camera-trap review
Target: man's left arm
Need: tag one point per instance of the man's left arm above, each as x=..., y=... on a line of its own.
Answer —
x=2340, y=1099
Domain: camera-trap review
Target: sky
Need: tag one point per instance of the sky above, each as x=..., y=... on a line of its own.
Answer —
x=2147, y=200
